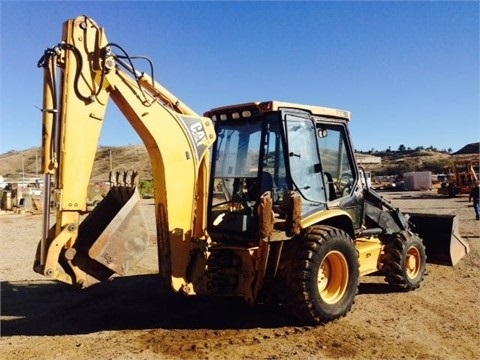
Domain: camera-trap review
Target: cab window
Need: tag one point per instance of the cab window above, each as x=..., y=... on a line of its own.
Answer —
x=336, y=160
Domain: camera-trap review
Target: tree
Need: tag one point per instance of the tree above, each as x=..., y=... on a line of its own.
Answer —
x=401, y=148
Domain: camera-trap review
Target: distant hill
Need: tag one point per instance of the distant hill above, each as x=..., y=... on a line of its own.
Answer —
x=398, y=162
x=120, y=158
x=473, y=148
x=135, y=157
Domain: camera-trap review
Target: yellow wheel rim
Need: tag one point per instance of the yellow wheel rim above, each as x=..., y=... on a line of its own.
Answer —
x=333, y=277
x=413, y=262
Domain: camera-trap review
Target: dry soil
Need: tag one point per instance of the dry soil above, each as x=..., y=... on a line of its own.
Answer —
x=136, y=318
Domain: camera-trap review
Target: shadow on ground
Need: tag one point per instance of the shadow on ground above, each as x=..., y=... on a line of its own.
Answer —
x=424, y=196
x=137, y=302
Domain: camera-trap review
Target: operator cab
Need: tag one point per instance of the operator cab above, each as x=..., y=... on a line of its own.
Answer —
x=278, y=148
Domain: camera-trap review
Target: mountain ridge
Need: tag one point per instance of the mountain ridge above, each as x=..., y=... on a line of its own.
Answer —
x=16, y=164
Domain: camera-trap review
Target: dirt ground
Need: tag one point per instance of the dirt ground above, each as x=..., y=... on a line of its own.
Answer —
x=136, y=318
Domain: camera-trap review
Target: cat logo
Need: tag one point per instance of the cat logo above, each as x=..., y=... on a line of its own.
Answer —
x=197, y=133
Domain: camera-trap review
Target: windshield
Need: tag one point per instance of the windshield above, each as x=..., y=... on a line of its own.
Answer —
x=237, y=160
x=238, y=150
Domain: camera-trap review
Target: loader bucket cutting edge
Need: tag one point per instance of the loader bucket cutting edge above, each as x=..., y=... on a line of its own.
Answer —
x=441, y=237
x=115, y=233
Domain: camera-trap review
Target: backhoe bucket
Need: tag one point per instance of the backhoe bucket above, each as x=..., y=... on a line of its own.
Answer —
x=441, y=237
x=115, y=233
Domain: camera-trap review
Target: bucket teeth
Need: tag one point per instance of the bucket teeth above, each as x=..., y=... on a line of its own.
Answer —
x=134, y=180
x=124, y=178
x=113, y=180
x=120, y=178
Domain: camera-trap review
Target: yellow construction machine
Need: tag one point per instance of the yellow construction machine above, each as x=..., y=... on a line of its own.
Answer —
x=262, y=200
x=462, y=177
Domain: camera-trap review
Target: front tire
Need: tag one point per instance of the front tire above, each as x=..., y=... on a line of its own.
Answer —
x=404, y=261
x=322, y=275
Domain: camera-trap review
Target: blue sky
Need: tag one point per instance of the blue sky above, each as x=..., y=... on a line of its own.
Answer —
x=408, y=71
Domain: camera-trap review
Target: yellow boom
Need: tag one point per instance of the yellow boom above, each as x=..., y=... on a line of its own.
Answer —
x=177, y=140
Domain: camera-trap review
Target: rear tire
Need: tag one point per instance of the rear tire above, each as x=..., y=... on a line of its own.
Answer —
x=404, y=261
x=321, y=275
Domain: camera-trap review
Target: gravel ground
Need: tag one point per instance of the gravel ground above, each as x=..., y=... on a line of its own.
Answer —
x=136, y=318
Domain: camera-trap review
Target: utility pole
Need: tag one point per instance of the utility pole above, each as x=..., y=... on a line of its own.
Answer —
x=23, y=170
x=36, y=163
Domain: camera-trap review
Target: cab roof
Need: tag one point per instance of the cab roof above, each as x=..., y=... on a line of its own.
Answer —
x=274, y=105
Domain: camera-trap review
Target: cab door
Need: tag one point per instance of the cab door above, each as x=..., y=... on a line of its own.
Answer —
x=304, y=161
x=344, y=188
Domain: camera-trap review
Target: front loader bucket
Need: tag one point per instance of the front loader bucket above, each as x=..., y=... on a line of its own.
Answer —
x=443, y=242
x=115, y=233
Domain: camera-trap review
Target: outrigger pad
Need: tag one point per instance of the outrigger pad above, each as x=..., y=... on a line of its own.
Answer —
x=441, y=237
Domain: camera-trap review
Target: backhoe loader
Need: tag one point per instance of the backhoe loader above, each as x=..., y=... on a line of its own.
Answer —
x=261, y=200
x=462, y=177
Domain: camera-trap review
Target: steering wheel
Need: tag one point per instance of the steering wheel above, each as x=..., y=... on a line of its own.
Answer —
x=344, y=184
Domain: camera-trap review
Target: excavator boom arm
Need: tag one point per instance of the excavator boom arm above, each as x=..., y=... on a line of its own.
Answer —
x=178, y=142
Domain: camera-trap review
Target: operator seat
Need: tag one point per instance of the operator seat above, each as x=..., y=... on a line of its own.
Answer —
x=267, y=182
